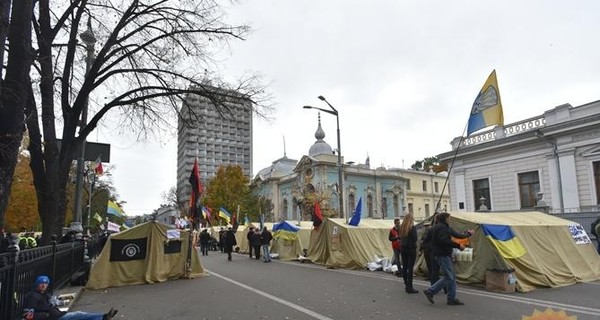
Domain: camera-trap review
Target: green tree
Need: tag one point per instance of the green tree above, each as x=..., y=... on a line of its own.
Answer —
x=430, y=163
x=228, y=189
x=149, y=56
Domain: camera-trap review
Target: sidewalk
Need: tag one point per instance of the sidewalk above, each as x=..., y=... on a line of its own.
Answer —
x=71, y=293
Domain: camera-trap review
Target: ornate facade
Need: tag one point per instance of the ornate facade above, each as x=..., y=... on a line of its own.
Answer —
x=292, y=186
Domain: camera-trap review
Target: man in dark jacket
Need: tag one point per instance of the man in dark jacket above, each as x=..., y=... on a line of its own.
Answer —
x=249, y=237
x=256, y=242
x=441, y=248
x=266, y=238
x=37, y=305
x=229, y=242
x=204, y=242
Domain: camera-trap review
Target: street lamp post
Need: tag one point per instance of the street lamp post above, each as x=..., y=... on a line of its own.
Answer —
x=89, y=39
x=334, y=112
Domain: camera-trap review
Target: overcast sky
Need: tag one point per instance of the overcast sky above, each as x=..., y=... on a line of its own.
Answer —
x=402, y=74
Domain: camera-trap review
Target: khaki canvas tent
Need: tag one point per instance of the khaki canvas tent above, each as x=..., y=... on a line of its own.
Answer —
x=552, y=251
x=290, y=246
x=337, y=244
x=144, y=254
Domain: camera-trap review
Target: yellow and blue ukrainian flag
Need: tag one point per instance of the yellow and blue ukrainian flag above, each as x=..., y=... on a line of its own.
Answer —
x=114, y=209
x=285, y=230
x=224, y=214
x=504, y=240
x=487, y=108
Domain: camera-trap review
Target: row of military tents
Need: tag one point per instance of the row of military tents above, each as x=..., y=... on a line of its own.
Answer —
x=552, y=254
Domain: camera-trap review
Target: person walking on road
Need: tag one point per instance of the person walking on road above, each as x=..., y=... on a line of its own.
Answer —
x=204, y=242
x=249, y=237
x=229, y=242
x=37, y=305
x=266, y=238
x=442, y=246
x=396, y=245
x=408, y=237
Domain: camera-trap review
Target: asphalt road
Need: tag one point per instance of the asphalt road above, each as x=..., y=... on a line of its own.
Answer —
x=250, y=289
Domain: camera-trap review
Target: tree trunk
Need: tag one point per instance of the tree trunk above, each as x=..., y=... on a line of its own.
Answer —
x=14, y=95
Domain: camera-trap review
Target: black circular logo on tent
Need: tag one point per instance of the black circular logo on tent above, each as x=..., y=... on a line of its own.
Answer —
x=130, y=250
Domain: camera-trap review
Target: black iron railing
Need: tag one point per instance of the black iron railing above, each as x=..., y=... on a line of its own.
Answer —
x=19, y=269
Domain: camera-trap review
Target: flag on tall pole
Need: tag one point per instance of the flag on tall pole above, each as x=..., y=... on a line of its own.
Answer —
x=114, y=208
x=487, y=108
x=234, y=219
x=207, y=213
x=98, y=169
x=317, y=216
x=357, y=214
x=196, y=190
x=223, y=213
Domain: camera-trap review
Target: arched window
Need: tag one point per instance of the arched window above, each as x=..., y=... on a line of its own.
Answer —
x=370, y=205
x=351, y=201
x=396, y=206
x=384, y=209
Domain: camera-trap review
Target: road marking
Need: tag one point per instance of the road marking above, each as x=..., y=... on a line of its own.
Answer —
x=485, y=294
x=272, y=297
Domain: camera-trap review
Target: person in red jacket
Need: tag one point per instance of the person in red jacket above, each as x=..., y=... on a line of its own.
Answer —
x=394, y=237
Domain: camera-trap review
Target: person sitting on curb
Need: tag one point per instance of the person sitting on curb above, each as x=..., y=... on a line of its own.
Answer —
x=37, y=305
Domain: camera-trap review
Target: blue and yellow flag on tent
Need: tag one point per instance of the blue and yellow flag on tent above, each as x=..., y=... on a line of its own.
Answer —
x=224, y=214
x=504, y=240
x=285, y=230
x=114, y=209
x=487, y=108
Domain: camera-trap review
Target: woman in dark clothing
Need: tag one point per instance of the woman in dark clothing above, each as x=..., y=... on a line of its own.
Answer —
x=408, y=237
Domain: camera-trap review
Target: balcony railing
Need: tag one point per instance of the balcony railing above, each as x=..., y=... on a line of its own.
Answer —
x=502, y=132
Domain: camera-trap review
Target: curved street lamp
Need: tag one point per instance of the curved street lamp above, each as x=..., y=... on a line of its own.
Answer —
x=334, y=112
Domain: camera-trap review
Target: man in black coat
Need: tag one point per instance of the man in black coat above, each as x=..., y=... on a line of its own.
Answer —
x=229, y=242
x=249, y=237
x=441, y=249
x=256, y=242
x=204, y=242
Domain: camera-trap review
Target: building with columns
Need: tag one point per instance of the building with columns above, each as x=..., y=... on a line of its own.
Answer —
x=549, y=162
x=386, y=192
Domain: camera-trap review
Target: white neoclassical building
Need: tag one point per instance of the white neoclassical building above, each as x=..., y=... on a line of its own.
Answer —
x=551, y=161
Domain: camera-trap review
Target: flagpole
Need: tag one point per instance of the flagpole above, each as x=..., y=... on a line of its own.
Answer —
x=489, y=91
x=462, y=138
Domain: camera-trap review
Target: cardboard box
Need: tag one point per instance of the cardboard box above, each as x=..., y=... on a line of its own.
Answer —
x=500, y=280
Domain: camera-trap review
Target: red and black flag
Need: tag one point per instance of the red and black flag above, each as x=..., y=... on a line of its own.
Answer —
x=317, y=215
x=196, y=190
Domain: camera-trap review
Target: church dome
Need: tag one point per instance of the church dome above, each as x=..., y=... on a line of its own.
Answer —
x=320, y=146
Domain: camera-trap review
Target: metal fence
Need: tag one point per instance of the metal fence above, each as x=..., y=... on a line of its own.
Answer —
x=18, y=271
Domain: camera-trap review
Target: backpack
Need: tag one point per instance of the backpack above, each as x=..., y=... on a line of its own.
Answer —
x=594, y=227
